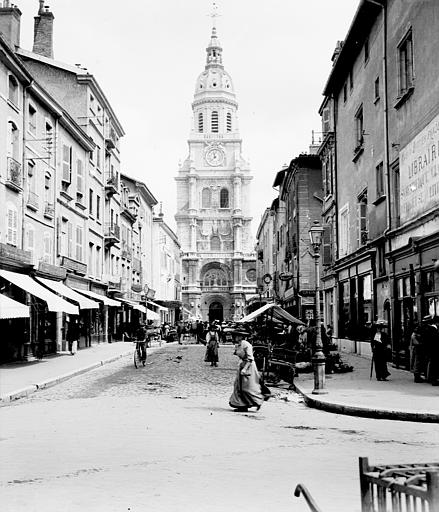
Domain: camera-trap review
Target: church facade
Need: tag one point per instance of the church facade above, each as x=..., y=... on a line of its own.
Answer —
x=213, y=216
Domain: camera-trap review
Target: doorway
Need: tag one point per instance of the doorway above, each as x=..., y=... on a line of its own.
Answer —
x=216, y=312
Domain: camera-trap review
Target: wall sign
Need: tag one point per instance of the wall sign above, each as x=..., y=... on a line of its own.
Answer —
x=419, y=173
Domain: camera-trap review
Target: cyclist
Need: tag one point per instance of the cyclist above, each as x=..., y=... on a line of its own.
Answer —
x=141, y=342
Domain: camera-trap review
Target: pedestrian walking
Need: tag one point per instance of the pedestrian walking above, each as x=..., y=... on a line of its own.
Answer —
x=379, y=343
x=248, y=389
x=417, y=354
x=73, y=335
x=212, y=346
x=430, y=340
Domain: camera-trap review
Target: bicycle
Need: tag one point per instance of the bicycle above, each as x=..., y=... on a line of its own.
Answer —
x=140, y=354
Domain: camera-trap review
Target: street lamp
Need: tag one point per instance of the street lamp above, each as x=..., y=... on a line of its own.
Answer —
x=316, y=236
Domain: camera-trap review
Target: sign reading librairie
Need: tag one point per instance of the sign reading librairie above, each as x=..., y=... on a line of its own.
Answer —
x=419, y=173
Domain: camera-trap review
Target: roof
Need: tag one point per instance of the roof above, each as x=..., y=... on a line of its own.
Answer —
x=361, y=25
x=82, y=76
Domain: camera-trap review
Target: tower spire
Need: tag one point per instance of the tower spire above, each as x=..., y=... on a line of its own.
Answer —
x=214, y=50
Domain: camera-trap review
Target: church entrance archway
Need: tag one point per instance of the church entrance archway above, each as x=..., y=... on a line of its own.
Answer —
x=216, y=312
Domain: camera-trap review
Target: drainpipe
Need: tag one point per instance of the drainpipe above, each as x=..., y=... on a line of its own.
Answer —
x=23, y=159
x=334, y=320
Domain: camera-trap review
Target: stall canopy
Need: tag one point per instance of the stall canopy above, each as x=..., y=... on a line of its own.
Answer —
x=67, y=292
x=26, y=283
x=273, y=310
x=135, y=305
x=103, y=298
x=157, y=305
x=152, y=315
x=10, y=308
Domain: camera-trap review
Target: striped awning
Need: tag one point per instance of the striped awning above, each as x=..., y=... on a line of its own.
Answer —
x=135, y=305
x=162, y=308
x=103, y=298
x=67, y=292
x=26, y=283
x=10, y=308
x=152, y=315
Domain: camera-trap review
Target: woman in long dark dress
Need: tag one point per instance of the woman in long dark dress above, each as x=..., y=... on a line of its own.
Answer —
x=247, y=390
x=379, y=342
x=212, y=345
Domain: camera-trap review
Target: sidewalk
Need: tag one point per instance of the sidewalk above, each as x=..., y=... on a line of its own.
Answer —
x=356, y=394
x=21, y=379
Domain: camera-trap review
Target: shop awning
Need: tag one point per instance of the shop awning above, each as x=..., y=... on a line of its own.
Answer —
x=274, y=311
x=103, y=298
x=26, y=283
x=67, y=292
x=162, y=308
x=152, y=315
x=10, y=308
x=136, y=305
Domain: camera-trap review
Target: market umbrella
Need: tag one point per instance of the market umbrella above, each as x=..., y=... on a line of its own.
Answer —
x=273, y=310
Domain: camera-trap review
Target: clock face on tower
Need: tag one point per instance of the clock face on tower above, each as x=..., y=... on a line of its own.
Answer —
x=215, y=156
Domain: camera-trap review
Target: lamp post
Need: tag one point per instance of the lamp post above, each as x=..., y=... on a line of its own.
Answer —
x=316, y=236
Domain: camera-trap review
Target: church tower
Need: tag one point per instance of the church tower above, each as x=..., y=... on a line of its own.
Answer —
x=213, y=216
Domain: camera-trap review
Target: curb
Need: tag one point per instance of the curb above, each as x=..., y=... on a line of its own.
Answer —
x=21, y=393
x=366, y=412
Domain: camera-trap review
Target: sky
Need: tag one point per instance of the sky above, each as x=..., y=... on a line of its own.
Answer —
x=147, y=55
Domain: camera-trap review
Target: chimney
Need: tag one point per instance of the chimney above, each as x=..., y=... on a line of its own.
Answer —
x=337, y=51
x=43, y=31
x=10, y=16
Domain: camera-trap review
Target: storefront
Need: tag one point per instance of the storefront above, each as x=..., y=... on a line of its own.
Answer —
x=415, y=287
x=43, y=333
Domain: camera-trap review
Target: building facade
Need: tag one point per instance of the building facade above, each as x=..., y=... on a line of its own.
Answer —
x=383, y=141
x=213, y=218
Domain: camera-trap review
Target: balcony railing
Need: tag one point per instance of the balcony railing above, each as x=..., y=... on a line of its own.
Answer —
x=136, y=265
x=33, y=200
x=14, y=178
x=112, y=230
x=111, y=138
x=49, y=210
x=111, y=183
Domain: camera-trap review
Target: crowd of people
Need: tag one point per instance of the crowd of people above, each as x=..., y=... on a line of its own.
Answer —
x=424, y=351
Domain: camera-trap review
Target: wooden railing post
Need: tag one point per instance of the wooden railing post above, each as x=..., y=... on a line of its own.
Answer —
x=432, y=478
x=366, y=495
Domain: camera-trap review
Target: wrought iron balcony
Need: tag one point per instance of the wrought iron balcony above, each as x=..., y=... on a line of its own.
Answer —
x=49, y=210
x=111, y=234
x=111, y=138
x=32, y=200
x=136, y=265
x=111, y=183
x=14, y=177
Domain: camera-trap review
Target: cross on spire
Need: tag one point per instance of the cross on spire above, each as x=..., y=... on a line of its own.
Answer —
x=214, y=14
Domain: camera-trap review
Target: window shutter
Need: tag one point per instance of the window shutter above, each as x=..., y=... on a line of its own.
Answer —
x=12, y=226
x=326, y=120
x=327, y=249
x=79, y=243
x=69, y=239
x=79, y=177
x=66, y=163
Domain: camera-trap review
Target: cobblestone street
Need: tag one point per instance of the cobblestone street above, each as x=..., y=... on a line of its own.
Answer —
x=163, y=438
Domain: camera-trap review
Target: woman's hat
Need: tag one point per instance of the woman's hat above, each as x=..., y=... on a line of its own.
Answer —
x=381, y=322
